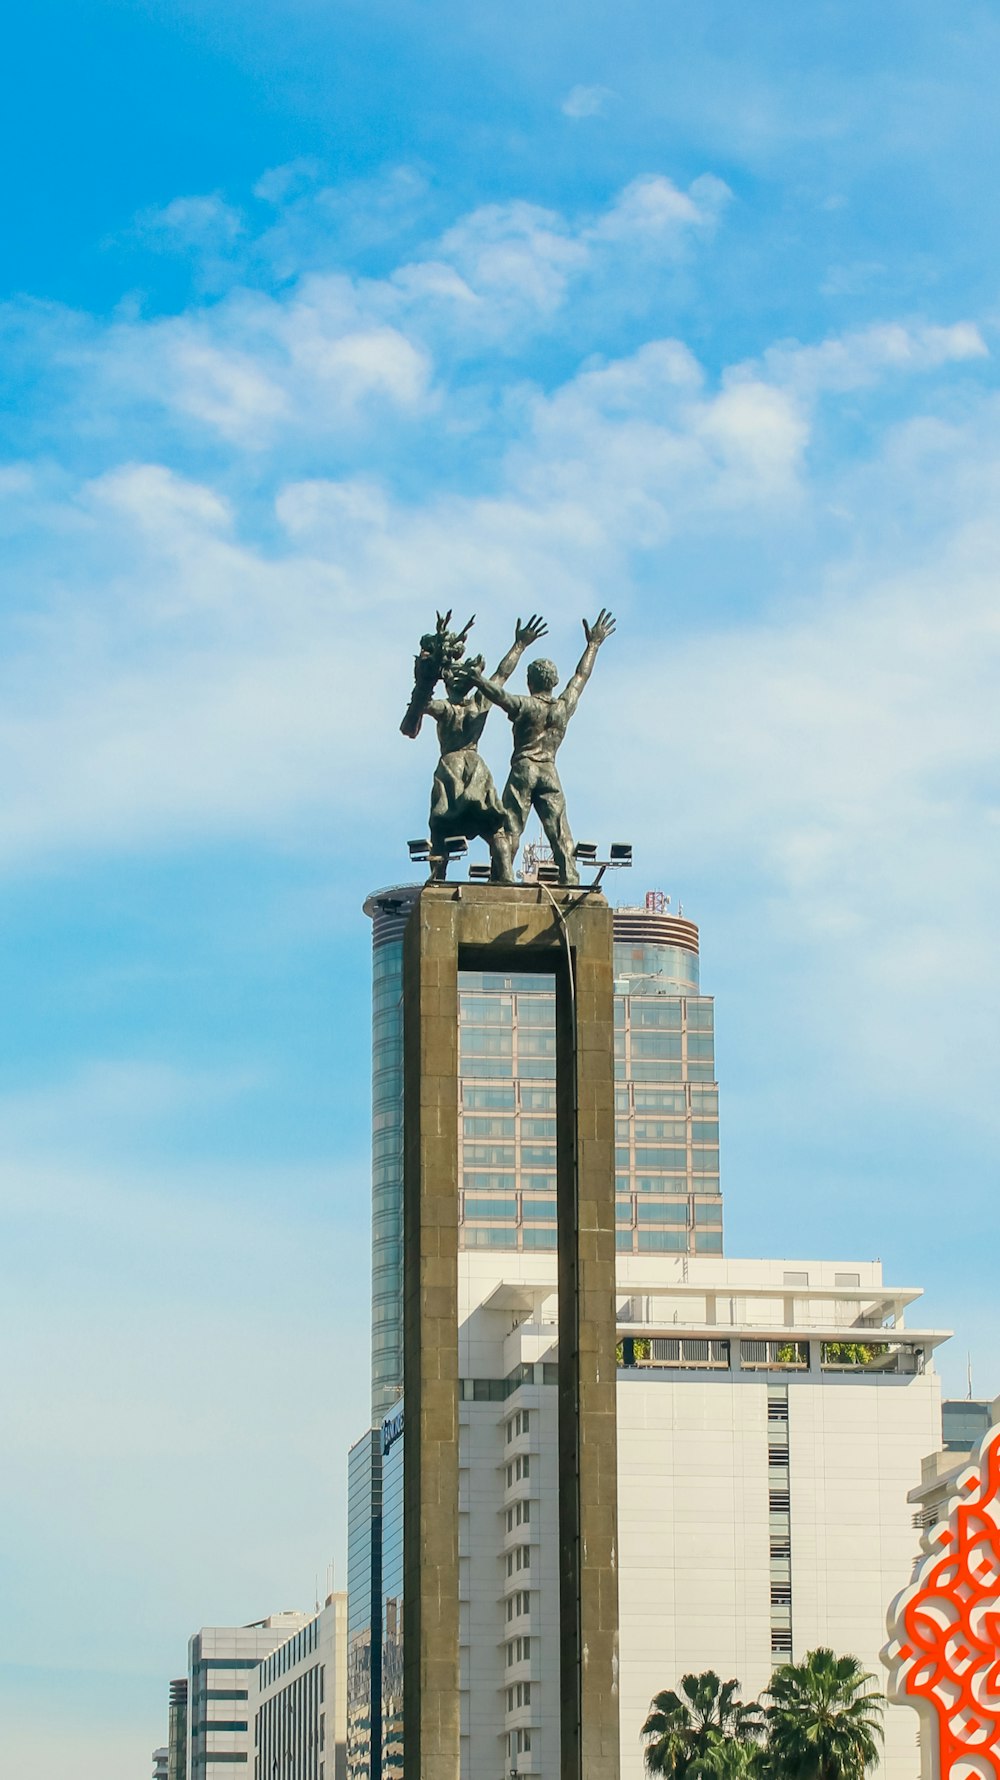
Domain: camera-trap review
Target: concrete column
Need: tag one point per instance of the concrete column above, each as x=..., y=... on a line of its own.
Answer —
x=505, y=930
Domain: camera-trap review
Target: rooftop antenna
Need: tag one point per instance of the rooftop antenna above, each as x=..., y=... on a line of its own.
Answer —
x=969, y=1374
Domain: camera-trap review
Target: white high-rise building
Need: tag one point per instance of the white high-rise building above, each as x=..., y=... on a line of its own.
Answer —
x=772, y=1418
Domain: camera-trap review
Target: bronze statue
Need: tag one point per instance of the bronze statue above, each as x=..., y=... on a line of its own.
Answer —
x=464, y=801
x=539, y=725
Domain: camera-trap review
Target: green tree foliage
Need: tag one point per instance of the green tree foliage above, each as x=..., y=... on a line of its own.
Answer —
x=852, y=1353
x=824, y=1719
x=686, y=1733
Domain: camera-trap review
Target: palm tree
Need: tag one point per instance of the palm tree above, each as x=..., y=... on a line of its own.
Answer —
x=824, y=1720
x=730, y=1760
x=689, y=1732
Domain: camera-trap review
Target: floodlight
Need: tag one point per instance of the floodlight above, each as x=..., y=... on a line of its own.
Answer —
x=621, y=853
x=586, y=850
x=419, y=849
x=455, y=846
x=479, y=874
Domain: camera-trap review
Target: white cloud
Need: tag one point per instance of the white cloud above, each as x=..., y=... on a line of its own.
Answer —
x=191, y=224
x=653, y=206
x=584, y=101
x=279, y=184
x=854, y=360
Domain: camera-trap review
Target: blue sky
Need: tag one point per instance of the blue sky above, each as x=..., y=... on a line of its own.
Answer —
x=313, y=320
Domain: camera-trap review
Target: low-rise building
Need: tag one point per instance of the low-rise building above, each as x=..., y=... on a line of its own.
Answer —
x=298, y=1701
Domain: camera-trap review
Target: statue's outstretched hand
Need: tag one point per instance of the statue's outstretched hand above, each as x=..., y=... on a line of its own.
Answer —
x=526, y=634
x=601, y=629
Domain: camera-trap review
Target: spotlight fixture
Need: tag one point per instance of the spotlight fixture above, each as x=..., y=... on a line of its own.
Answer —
x=419, y=850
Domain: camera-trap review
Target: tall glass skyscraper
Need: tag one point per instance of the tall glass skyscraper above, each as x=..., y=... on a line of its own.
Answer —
x=667, y=1128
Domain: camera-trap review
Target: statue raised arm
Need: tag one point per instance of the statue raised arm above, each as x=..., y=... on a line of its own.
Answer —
x=539, y=724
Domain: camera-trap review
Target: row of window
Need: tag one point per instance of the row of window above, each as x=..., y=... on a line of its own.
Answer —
x=518, y=1469
x=518, y=1515
x=518, y=1604
x=669, y=1242
x=518, y=1424
x=646, y=1130
x=779, y=1511
x=518, y=1695
x=519, y=1559
x=506, y=1097
x=639, y=1211
x=518, y=1649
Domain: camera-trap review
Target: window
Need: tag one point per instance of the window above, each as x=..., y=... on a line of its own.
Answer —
x=795, y=1279
x=479, y=1127
x=847, y=1279
x=669, y=1212
x=660, y=1130
x=481, y=1042
x=496, y=1210
x=699, y=1016
x=500, y=1098
x=656, y=1013
x=660, y=1100
x=539, y=1236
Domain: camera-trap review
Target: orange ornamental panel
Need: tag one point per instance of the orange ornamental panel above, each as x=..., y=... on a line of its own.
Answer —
x=944, y=1649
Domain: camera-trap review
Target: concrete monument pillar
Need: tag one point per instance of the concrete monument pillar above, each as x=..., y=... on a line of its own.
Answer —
x=502, y=929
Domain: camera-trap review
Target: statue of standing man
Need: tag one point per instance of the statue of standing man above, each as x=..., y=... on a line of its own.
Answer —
x=539, y=725
x=464, y=801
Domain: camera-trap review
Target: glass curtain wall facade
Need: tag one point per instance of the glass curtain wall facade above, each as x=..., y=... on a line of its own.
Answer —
x=364, y=1591
x=392, y=1597
x=667, y=1106
x=177, y=1732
